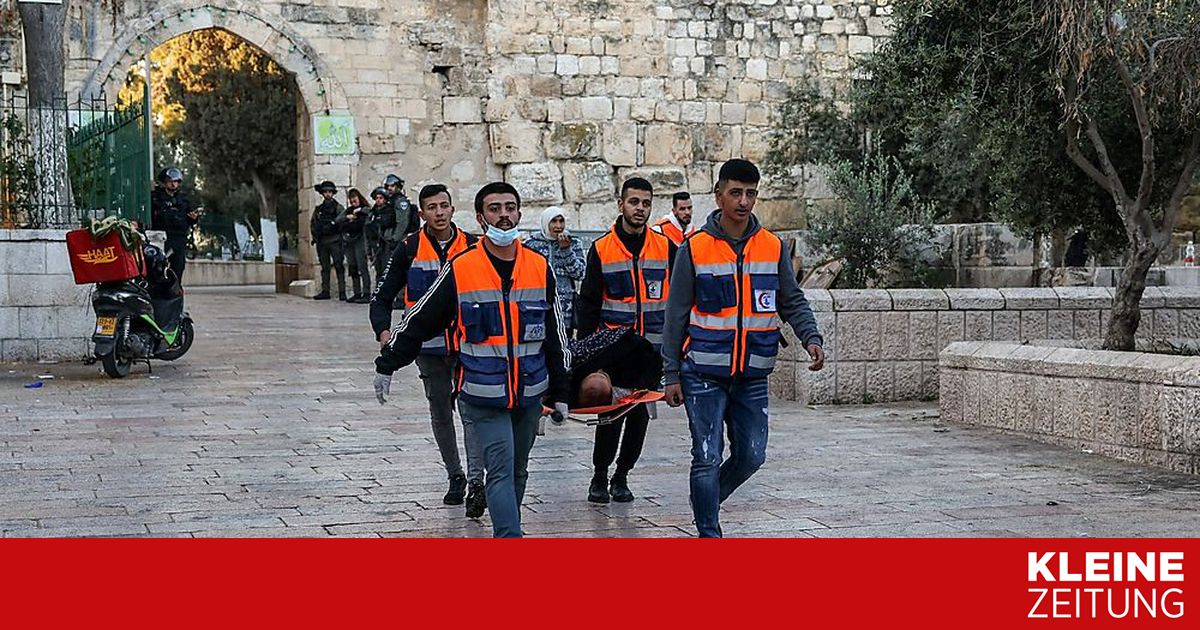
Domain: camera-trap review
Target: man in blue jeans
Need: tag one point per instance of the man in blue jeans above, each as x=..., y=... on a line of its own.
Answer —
x=731, y=287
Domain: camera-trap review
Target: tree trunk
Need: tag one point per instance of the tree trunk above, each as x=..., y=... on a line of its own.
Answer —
x=1126, y=313
x=42, y=25
x=268, y=197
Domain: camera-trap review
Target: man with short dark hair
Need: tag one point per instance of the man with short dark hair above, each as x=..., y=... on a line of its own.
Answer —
x=171, y=211
x=731, y=286
x=677, y=225
x=414, y=266
x=625, y=285
x=501, y=300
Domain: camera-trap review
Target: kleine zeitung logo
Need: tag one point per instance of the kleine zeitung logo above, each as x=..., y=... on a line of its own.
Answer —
x=1139, y=595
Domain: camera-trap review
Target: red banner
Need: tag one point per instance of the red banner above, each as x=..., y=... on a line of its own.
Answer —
x=599, y=583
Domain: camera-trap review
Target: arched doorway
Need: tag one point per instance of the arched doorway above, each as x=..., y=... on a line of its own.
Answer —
x=321, y=94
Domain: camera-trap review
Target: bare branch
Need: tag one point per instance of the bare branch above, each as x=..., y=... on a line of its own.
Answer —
x=1136, y=94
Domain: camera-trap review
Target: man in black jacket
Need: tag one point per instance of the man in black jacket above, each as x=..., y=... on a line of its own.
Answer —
x=327, y=221
x=430, y=249
x=408, y=220
x=171, y=211
x=503, y=290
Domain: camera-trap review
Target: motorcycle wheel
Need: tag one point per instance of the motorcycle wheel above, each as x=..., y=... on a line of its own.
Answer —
x=186, y=335
x=114, y=366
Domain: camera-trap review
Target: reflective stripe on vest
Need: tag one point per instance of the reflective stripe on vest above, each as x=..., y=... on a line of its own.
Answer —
x=421, y=275
x=635, y=291
x=499, y=336
x=734, y=326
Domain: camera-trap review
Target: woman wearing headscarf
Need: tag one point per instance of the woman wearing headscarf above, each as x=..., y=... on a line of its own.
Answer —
x=566, y=258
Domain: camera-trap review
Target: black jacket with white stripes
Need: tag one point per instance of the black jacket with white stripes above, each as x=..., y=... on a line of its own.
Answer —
x=437, y=309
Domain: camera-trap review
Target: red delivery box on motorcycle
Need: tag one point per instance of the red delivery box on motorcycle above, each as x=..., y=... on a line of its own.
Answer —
x=102, y=259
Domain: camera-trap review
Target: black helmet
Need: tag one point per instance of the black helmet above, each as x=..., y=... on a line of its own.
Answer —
x=171, y=174
x=393, y=180
x=379, y=192
x=326, y=185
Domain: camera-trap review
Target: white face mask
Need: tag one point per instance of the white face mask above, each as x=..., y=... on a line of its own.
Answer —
x=501, y=237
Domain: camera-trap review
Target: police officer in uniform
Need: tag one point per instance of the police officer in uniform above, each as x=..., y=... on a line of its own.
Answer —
x=381, y=231
x=407, y=218
x=171, y=211
x=328, y=220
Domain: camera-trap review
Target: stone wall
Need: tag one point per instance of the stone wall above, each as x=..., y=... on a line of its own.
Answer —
x=44, y=315
x=883, y=345
x=209, y=273
x=1143, y=408
x=563, y=99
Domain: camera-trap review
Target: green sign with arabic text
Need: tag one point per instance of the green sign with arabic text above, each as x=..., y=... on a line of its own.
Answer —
x=334, y=134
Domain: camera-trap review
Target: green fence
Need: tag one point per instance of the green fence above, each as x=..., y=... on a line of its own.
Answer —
x=108, y=154
x=63, y=162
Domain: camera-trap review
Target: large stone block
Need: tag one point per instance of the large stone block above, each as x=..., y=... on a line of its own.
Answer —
x=539, y=182
x=1075, y=298
x=907, y=381
x=1030, y=299
x=978, y=326
x=18, y=350
x=620, y=144
x=1060, y=325
x=880, y=386
x=588, y=181
x=1087, y=324
x=597, y=216
x=1033, y=326
x=919, y=300
x=1006, y=326
x=859, y=340
x=515, y=142
x=44, y=290
x=780, y=214
x=666, y=180
x=462, y=110
x=951, y=327
x=39, y=322
x=975, y=299
x=713, y=143
x=26, y=257
x=10, y=322
x=862, y=300
x=573, y=141
x=923, y=335
x=668, y=145
x=851, y=382
x=893, y=336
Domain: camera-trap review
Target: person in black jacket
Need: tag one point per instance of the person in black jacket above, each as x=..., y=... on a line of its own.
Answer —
x=328, y=220
x=171, y=211
x=381, y=232
x=408, y=219
x=436, y=363
x=354, y=241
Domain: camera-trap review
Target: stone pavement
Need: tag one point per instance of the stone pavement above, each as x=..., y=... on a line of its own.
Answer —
x=269, y=428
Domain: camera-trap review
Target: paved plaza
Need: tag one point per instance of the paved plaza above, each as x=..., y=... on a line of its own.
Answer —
x=269, y=427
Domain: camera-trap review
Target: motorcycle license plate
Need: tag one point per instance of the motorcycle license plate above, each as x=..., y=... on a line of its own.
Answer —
x=106, y=326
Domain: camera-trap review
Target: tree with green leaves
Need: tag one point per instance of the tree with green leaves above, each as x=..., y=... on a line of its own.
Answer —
x=234, y=107
x=1127, y=75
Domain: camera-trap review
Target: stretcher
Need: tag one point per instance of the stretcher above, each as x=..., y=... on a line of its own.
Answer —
x=608, y=414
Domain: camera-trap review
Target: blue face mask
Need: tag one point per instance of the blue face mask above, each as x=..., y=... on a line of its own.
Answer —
x=501, y=237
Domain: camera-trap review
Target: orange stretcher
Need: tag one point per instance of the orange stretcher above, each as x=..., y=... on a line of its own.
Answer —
x=607, y=414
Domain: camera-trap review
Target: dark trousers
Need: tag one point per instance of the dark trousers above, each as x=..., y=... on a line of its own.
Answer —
x=177, y=255
x=608, y=436
x=330, y=254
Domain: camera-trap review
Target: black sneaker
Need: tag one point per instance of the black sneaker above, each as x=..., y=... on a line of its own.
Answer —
x=342, y=297
x=598, y=491
x=458, y=488
x=324, y=295
x=476, y=500
x=620, y=490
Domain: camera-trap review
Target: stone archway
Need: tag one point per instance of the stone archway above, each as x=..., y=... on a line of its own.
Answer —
x=320, y=91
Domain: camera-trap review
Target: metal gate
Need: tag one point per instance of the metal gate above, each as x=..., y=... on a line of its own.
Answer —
x=67, y=161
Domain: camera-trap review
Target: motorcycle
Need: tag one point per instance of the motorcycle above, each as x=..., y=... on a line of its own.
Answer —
x=142, y=318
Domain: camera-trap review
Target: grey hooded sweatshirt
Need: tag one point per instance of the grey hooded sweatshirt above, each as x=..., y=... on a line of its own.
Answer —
x=792, y=307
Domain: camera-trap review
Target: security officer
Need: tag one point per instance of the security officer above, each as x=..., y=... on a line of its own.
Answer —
x=381, y=231
x=732, y=285
x=513, y=355
x=171, y=211
x=625, y=285
x=413, y=268
x=328, y=220
x=407, y=218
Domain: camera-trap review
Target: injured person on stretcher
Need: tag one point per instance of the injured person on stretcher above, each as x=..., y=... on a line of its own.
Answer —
x=612, y=371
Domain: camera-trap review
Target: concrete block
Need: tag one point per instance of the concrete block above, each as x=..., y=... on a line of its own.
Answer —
x=951, y=328
x=923, y=335
x=1006, y=326
x=304, y=288
x=861, y=299
x=1152, y=298
x=851, y=382
x=59, y=349
x=861, y=343
x=1181, y=297
x=26, y=257
x=819, y=300
x=817, y=388
x=919, y=300
x=1189, y=323
x=39, y=322
x=44, y=290
x=75, y=322
x=1087, y=324
x=18, y=350
x=950, y=396
x=1030, y=299
x=893, y=336
x=1076, y=298
x=1033, y=325
x=975, y=299
x=978, y=326
x=10, y=318
x=879, y=378
x=1060, y=325
x=1166, y=322
x=907, y=380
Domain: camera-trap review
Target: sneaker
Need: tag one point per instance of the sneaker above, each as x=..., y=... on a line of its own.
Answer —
x=598, y=491
x=620, y=490
x=324, y=295
x=476, y=500
x=458, y=488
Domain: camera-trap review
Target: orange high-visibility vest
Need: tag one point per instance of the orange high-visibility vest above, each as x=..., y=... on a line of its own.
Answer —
x=734, y=326
x=421, y=274
x=668, y=229
x=500, y=332
x=635, y=289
